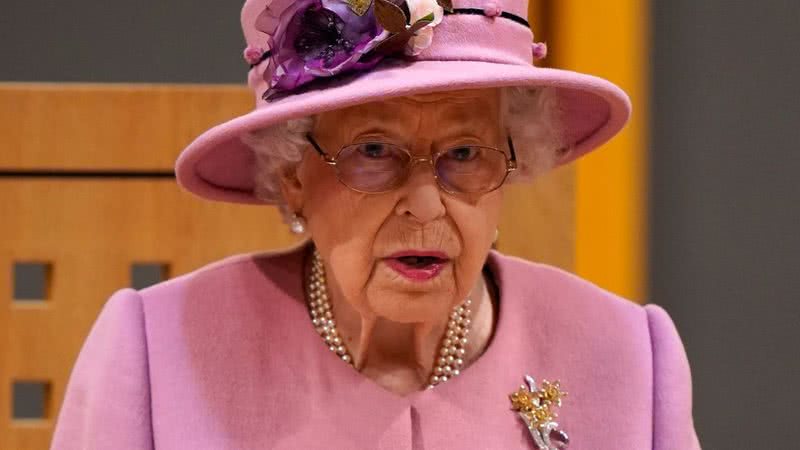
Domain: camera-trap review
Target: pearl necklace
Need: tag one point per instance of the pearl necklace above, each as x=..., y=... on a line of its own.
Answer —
x=450, y=356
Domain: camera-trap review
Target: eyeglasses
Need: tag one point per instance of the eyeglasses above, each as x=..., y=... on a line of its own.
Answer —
x=377, y=167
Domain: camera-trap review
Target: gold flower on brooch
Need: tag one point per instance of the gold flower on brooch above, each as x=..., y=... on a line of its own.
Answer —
x=535, y=406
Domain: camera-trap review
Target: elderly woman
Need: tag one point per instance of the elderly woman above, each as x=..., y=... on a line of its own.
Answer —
x=385, y=131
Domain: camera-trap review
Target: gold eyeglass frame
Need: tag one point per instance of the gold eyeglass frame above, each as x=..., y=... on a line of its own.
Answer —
x=511, y=164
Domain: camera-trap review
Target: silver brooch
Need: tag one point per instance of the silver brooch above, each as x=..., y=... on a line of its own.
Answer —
x=535, y=406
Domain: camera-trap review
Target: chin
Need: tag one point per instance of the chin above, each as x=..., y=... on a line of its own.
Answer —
x=411, y=307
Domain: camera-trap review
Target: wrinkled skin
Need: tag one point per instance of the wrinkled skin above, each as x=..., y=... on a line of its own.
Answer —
x=391, y=325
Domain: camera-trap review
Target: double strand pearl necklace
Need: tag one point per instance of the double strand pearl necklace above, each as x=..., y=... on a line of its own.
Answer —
x=450, y=356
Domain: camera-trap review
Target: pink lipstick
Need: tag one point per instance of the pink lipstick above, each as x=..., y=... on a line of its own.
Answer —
x=418, y=265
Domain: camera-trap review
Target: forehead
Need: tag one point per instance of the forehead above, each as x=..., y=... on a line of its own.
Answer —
x=464, y=106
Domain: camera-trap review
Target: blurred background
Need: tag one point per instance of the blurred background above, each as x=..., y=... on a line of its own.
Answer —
x=694, y=206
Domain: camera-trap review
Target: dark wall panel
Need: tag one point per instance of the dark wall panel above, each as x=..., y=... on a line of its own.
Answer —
x=121, y=41
x=725, y=214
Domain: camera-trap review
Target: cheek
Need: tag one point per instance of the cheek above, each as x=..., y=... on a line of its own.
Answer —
x=339, y=218
x=480, y=218
x=344, y=224
x=327, y=204
x=476, y=224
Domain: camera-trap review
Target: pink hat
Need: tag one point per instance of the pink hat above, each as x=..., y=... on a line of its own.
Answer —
x=311, y=56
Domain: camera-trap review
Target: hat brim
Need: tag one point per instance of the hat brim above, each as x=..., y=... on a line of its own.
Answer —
x=217, y=165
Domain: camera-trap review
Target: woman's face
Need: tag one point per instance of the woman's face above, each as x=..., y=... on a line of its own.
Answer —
x=365, y=239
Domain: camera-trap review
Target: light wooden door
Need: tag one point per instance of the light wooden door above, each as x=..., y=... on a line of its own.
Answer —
x=87, y=190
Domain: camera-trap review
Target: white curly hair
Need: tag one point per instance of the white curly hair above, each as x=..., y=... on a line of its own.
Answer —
x=531, y=116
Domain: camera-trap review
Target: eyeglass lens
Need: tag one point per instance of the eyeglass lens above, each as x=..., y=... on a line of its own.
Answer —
x=379, y=167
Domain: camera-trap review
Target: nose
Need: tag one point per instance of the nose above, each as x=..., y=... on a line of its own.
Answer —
x=420, y=196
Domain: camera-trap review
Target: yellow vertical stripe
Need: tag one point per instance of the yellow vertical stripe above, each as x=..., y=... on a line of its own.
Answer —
x=610, y=39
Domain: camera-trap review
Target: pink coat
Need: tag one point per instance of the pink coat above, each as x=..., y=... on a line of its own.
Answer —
x=226, y=358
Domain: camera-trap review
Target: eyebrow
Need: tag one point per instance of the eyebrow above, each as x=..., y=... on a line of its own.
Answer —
x=381, y=129
x=388, y=124
x=459, y=128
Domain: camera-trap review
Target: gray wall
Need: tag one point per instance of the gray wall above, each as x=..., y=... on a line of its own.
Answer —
x=135, y=40
x=725, y=215
x=724, y=191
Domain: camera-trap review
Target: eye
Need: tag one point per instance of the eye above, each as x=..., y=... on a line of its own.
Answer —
x=374, y=150
x=463, y=153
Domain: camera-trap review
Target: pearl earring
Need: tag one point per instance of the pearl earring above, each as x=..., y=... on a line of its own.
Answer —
x=297, y=224
x=496, y=234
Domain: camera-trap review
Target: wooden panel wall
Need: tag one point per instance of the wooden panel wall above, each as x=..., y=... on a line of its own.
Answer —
x=90, y=232
x=108, y=126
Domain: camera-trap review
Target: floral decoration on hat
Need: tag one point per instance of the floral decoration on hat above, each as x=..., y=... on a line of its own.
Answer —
x=310, y=39
x=535, y=406
x=420, y=12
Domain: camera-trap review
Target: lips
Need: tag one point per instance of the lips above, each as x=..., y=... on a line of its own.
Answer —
x=418, y=265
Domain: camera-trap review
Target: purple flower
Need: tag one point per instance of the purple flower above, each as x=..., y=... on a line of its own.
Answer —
x=309, y=39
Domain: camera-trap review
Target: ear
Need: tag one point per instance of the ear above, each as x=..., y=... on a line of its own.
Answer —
x=291, y=186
